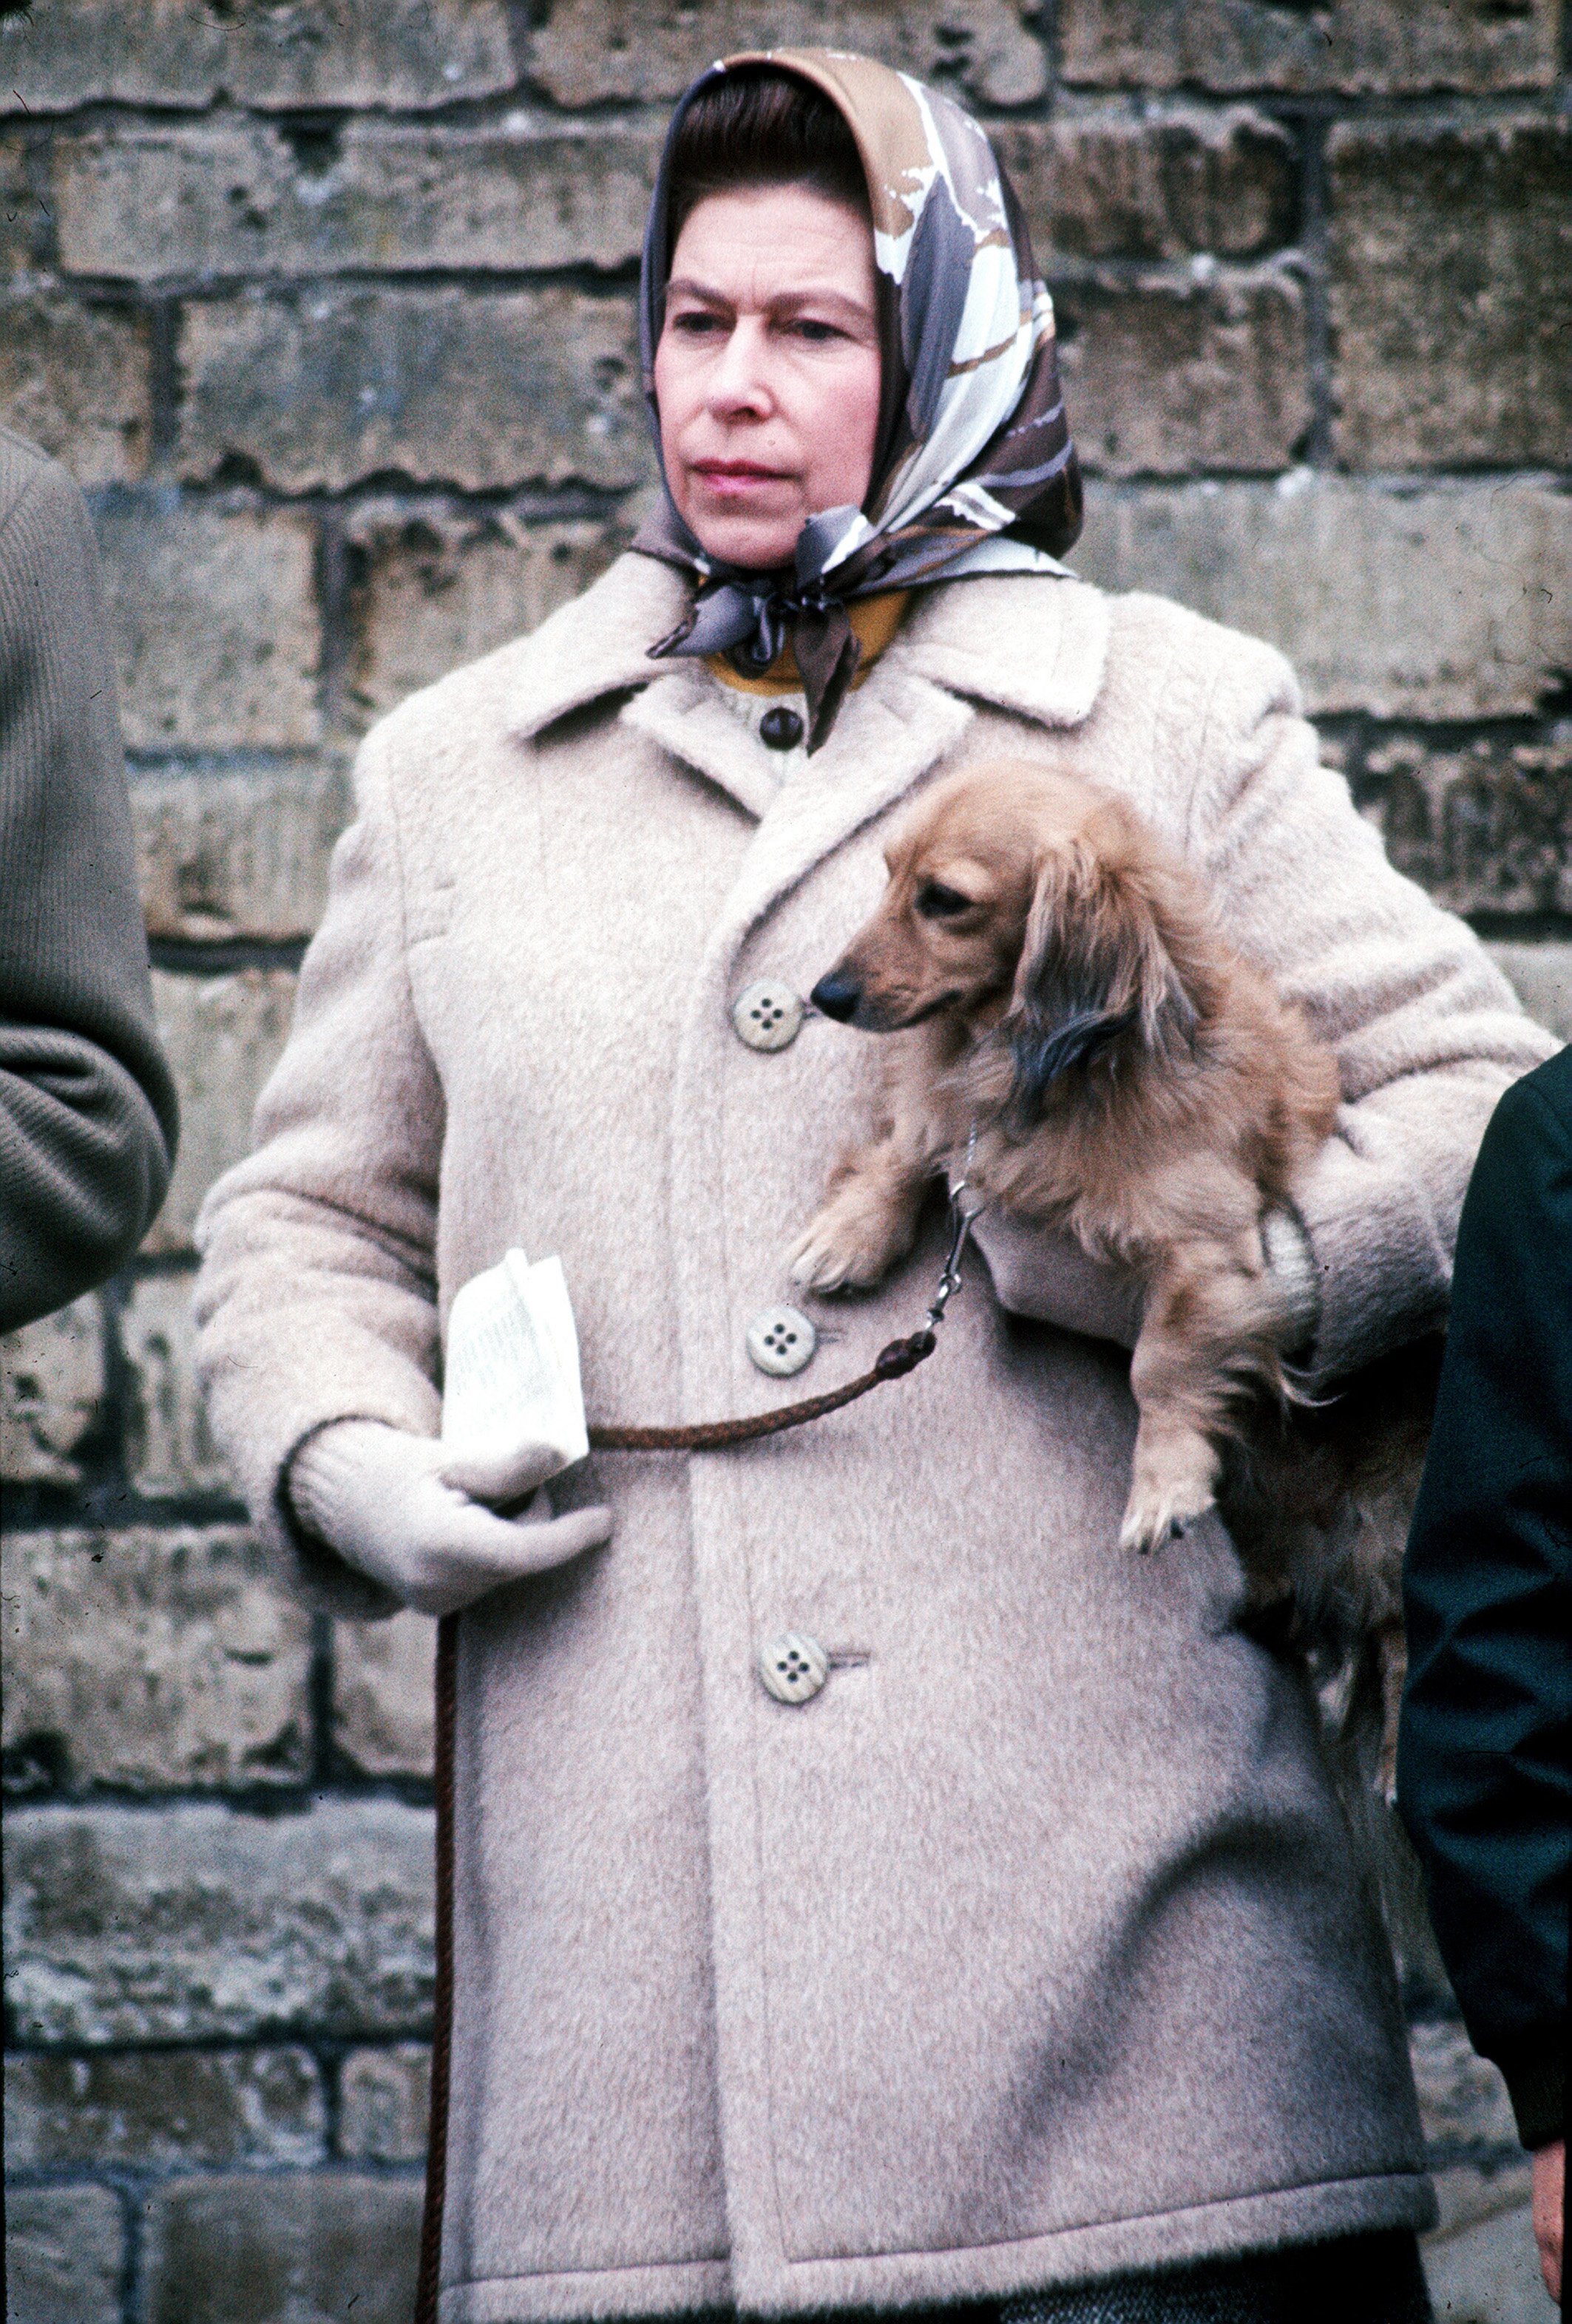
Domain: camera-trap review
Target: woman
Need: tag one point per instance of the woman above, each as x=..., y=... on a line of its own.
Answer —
x=1011, y=1943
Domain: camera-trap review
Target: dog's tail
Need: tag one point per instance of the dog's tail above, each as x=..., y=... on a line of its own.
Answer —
x=1358, y=1710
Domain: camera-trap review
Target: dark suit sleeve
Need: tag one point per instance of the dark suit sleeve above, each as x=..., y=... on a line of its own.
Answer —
x=1485, y=1765
x=86, y=1106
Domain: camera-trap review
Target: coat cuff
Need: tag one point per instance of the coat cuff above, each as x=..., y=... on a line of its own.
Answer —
x=328, y=1583
x=1380, y=1268
x=1291, y=1261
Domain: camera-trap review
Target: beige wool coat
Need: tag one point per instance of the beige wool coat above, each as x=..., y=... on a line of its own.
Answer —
x=1032, y=1948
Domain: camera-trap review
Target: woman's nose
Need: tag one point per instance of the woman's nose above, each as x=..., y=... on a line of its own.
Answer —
x=740, y=379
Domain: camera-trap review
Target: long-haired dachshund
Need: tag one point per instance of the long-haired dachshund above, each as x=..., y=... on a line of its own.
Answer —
x=1055, y=980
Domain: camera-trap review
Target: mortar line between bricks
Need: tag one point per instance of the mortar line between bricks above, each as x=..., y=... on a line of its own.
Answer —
x=1311, y=130
x=1074, y=272
x=163, y=380
x=290, y=1800
x=42, y=238
x=315, y=2041
x=1419, y=107
x=569, y=503
x=139, y=2175
x=1395, y=483
x=542, y=118
x=524, y=19
x=204, y=956
x=51, y=1508
x=334, y=577
x=329, y=2059
x=231, y=762
x=134, y=2256
x=145, y=1266
x=106, y=1469
x=604, y=285
x=1048, y=33
x=585, y=503
x=320, y=1692
x=1525, y=928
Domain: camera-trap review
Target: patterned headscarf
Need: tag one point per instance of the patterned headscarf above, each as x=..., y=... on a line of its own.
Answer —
x=975, y=472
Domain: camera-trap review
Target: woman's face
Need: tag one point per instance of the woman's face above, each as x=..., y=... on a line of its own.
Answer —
x=767, y=373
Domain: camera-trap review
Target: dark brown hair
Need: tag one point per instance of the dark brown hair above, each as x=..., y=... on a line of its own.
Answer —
x=761, y=127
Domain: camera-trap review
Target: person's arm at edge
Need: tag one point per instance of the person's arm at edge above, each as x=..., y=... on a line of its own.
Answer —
x=1484, y=1784
x=87, y=1114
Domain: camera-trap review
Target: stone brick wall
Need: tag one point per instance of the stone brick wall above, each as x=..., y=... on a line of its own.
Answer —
x=329, y=303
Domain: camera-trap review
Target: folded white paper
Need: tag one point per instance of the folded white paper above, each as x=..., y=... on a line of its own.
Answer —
x=513, y=1363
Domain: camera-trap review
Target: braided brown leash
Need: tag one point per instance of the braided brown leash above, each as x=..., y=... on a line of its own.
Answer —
x=428, y=2272
x=892, y=1363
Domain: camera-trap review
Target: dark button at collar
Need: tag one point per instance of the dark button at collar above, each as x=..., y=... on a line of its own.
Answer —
x=781, y=729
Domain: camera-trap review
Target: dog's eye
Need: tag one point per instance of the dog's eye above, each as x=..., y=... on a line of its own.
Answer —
x=934, y=901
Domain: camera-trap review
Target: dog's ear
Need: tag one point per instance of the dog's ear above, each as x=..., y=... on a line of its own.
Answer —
x=1094, y=963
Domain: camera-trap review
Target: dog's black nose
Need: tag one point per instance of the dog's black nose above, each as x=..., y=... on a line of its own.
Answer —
x=837, y=994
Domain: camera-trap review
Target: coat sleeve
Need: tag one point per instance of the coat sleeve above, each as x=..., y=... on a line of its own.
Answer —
x=1484, y=1758
x=1426, y=1031
x=316, y=1297
x=87, y=1105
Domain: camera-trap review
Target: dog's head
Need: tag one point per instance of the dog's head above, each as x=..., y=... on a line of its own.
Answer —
x=1032, y=905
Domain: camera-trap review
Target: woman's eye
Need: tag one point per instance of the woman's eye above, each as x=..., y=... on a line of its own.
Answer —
x=817, y=334
x=934, y=901
x=696, y=323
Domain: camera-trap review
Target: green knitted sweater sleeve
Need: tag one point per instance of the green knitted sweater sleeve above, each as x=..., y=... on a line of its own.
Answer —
x=87, y=1105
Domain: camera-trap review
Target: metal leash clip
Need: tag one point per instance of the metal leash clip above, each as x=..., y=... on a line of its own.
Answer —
x=961, y=1218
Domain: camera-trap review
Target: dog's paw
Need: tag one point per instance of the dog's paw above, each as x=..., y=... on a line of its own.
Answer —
x=848, y=1246
x=1164, y=1500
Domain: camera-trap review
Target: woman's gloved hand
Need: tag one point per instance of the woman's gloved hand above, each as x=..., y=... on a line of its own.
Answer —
x=413, y=1515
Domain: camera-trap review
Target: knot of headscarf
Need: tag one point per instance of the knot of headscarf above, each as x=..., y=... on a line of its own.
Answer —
x=977, y=472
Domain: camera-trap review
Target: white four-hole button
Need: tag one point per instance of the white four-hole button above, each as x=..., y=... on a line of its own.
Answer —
x=781, y=1340
x=793, y=1667
x=767, y=1014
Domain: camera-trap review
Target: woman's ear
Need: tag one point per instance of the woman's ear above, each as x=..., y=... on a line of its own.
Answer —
x=1093, y=963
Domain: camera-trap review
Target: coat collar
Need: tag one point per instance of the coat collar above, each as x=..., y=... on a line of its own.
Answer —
x=888, y=734
x=1023, y=642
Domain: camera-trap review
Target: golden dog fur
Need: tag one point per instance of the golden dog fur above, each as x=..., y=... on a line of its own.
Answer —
x=1053, y=976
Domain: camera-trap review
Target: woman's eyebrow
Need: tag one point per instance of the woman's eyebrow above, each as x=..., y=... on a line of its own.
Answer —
x=813, y=297
x=685, y=282
x=785, y=302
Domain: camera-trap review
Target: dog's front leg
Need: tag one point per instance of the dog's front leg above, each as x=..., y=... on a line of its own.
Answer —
x=1208, y=1323
x=868, y=1219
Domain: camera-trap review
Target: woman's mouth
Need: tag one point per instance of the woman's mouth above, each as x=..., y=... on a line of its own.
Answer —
x=730, y=479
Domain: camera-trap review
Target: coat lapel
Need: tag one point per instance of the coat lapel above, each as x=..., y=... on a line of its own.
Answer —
x=887, y=737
